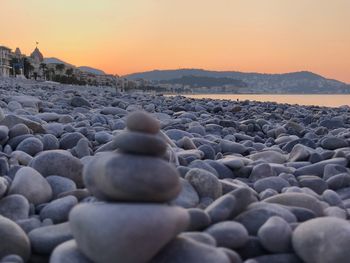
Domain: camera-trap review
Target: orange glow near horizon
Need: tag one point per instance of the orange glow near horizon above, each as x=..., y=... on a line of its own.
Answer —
x=126, y=36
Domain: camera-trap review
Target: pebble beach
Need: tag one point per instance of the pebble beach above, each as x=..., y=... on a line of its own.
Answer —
x=91, y=174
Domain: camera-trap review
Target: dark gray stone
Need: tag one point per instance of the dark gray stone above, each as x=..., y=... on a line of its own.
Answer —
x=79, y=102
x=15, y=240
x=44, y=239
x=188, y=197
x=58, y=162
x=145, y=179
x=68, y=252
x=186, y=250
x=205, y=183
x=140, y=121
x=32, y=146
x=60, y=185
x=229, y=234
x=199, y=219
x=299, y=200
x=129, y=226
x=275, y=183
x=58, y=210
x=140, y=143
x=257, y=214
x=14, y=207
x=275, y=235
x=339, y=181
x=32, y=185
x=221, y=209
x=70, y=140
x=322, y=240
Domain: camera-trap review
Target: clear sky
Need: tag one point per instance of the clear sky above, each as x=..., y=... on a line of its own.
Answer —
x=125, y=36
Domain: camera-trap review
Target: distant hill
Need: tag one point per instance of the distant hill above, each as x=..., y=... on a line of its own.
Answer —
x=82, y=68
x=198, y=81
x=56, y=61
x=295, y=82
x=92, y=70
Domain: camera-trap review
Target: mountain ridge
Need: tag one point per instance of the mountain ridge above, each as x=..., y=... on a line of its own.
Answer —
x=291, y=82
x=54, y=60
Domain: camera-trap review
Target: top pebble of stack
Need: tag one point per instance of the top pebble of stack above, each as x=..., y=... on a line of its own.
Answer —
x=141, y=121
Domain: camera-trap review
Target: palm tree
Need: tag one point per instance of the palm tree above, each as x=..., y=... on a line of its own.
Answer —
x=60, y=68
x=43, y=68
x=27, y=67
x=69, y=72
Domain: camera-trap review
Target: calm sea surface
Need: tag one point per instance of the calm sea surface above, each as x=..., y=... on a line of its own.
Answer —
x=302, y=99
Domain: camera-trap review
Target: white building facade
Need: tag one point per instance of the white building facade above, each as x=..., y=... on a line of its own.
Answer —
x=5, y=59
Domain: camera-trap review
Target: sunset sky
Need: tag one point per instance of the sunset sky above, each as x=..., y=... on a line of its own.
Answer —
x=125, y=36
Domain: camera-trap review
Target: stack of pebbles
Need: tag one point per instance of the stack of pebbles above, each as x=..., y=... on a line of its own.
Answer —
x=132, y=221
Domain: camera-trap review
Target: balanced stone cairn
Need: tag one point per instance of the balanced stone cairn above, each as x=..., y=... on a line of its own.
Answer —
x=132, y=223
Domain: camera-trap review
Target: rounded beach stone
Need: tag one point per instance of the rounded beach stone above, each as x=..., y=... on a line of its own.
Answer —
x=70, y=140
x=200, y=237
x=3, y=186
x=199, y=219
x=14, y=207
x=15, y=240
x=276, y=235
x=269, y=157
x=60, y=185
x=232, y=255
x=79, y=102
x=314, y=183
x=2, y=114
x=205, y=183
x=229, y=234
x=299, y=200
x=260, y=171
x=275, y=258
x=125, y=177
x=50, y=142
x=258, y=213
x=141, y=121
x=29, y=224
x=140, y=143
x=32, y=146
x=333, y=169
x=12, y=259
x=252, y=248
x=188, y=197
x=32, y=185
x=275, y=183
x=221, y=209
x=58, y=162
x=339, y=181
x=322, y=240
x=183, y=249
x=58, y=210
x=82, y=148
x=245, y=196
x=128, y=226
x=44, y=239
x=68, y=252
x=332, y=143
x=19, y=129
x=4, y=131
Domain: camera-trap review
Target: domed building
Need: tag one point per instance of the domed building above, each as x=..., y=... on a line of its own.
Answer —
x=18, y=52
x=37, y=58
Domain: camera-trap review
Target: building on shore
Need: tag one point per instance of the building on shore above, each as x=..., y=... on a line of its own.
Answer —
x=18, y=65
x=5, y=61
x=37, y=58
